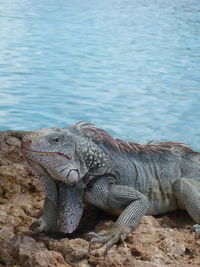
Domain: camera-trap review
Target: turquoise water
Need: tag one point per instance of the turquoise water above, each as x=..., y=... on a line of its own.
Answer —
x=131, y=67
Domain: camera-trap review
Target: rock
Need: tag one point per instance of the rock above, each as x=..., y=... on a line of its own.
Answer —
x=27, y=246
x=46, y=259
x=12, y=142
x=139, y=263
x=25, y=251
x=173, y=248
x=72, y=250
x=83, y=263
x=19, y=249
x=156, y=255
x=118, y=257
x=156, y=242
x=77, y=249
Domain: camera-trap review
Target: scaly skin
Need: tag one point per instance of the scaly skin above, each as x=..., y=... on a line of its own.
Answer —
x=85, y=164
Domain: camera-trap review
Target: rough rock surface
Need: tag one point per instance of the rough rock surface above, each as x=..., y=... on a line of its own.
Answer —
x=160, y=241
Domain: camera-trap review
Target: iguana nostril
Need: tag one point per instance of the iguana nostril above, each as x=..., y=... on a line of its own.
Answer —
x=26, y=144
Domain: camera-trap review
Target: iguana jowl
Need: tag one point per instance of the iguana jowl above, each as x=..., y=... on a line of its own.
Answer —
x=82, y=163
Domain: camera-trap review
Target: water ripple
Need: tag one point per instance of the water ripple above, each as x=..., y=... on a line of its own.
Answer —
x=131, y=67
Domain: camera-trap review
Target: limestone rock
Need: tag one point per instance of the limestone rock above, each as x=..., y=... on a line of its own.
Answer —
x=25, y=251
x=156, y=242
x=46, y=259
x=72, y=250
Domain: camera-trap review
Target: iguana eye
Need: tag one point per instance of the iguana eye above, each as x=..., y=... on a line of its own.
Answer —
x=55, y=139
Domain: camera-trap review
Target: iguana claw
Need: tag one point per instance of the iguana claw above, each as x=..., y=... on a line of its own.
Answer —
x=112, y=237
x=38, y=226
x=196, y=229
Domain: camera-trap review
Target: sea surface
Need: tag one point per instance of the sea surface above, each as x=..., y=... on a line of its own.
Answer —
x=132, y=67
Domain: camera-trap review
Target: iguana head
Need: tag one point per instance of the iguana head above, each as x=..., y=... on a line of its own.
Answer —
x=55, y=150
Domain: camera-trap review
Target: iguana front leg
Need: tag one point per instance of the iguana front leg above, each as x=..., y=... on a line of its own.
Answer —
x=48, y=221
x=107, y=195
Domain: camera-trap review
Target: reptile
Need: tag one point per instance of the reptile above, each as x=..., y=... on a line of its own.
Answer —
x=84, y=164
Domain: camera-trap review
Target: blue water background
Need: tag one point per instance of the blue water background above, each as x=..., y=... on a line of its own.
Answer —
x=131, y=67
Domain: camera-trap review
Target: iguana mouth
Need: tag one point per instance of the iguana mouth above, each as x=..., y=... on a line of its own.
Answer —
x=46, y=153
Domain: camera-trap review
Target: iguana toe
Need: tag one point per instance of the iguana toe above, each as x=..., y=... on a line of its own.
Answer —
x=39, y=226
x=196, y=229
x=100, y=238
x=34, y=226
x=95, y=235
x=110, y=238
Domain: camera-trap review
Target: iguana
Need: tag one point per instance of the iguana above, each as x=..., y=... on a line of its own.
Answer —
x=82, y=163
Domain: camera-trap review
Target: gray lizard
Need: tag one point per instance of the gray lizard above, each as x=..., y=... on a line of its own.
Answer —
x=82, y=163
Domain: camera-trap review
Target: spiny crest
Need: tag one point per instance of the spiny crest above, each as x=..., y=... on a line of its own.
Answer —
x=99, y=135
